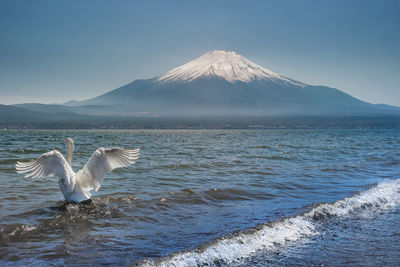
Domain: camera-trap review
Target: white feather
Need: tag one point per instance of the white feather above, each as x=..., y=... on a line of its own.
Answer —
x=102, y=162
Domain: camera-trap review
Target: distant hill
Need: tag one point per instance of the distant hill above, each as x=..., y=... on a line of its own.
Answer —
x=56, y=116
x=12, y=114
x=19, y=118
x=68, y=110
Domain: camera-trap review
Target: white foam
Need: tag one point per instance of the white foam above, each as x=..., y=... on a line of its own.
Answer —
x=383, y=196
x=22, y=229
x=229, y=249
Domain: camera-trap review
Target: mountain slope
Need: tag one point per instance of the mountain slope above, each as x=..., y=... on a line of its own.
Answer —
x=220, y=97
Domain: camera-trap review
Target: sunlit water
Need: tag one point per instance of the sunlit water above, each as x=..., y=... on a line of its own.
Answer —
x=276, y=197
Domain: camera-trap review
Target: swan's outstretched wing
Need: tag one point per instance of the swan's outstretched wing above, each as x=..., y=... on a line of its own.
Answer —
x=102, y=162
x=51, y=164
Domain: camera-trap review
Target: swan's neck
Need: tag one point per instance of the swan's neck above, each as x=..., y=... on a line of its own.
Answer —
x=70, y=149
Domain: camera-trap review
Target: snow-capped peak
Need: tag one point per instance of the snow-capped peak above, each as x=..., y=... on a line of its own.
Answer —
x=228, y=65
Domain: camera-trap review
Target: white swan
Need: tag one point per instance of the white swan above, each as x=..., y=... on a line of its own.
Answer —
x=76, y=187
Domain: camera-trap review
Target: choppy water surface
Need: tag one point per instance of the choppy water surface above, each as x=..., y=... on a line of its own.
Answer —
x=276, y=197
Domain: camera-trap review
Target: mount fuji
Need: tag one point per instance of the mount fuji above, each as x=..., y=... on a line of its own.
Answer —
x=223, y=83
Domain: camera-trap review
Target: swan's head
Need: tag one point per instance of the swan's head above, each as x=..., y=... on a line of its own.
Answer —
x=69, y=143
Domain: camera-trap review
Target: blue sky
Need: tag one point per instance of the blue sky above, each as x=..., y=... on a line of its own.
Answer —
x=55, y=51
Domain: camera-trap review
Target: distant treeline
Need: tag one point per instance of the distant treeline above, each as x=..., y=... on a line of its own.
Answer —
x=300, y=122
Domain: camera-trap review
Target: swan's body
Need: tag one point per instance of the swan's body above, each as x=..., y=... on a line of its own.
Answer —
x=76, y=187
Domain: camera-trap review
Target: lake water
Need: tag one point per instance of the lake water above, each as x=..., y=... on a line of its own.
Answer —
x=209, y=198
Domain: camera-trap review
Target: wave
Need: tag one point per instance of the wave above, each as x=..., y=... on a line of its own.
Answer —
x=243, y=244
